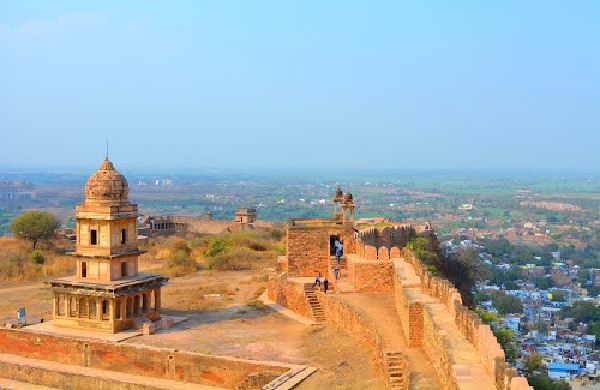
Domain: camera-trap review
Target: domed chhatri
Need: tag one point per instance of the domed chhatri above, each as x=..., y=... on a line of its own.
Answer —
x=348, y=197
x=107, y=293
x=339, y=195
x=106, y=185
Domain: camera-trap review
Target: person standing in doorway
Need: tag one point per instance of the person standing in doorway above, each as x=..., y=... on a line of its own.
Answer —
x=338, y=252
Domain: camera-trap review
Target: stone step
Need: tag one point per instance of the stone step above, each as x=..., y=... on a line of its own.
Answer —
x=290, y=379
x=54, y=374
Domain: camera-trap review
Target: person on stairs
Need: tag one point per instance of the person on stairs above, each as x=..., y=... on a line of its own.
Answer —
x=336, y=272
x=325, y=285
x=317, y=280
x=339, y=251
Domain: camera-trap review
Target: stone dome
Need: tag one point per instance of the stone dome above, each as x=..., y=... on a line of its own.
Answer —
x=339, y=194
x=106, y=184
x=348, y=197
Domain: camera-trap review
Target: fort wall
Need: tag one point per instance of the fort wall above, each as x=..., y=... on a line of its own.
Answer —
x=468, y=322
x=370, y=275
x=291, y=295
x=183, y=366
x=307, y=251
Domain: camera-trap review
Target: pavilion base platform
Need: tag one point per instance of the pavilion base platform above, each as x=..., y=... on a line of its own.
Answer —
x=51, y=329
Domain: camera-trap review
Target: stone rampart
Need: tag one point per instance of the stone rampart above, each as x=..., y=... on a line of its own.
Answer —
x=307, y=251
x=411, y=317
x=370, y=275
x=469, y=324
x=291, y=295
x=370, y=252
x=344, y=317
x=173, y=364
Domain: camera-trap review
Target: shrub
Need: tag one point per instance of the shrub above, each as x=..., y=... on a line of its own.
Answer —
x=181, y=246
x=240, y=258
x=215, y=247
x=37, y=257
x=181, y=264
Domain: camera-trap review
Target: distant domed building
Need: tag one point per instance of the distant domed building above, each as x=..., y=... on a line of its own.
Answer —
x=108, y=293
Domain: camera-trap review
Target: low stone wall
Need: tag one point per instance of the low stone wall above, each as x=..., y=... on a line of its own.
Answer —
x=435, y=348
x=183, y=366
x=48, y=376
x=470, y=325
x=342, y=316
x=290, y=295
x=370, y=276
x=411, y=317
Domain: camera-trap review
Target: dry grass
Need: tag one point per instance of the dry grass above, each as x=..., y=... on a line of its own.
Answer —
x=16, y=266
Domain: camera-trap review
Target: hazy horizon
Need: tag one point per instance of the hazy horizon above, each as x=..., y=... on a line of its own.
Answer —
x=379, y=86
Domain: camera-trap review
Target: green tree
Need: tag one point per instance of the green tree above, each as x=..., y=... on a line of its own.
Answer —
x=34, y=226
x=593, y=328
x=510, y=285
x=558, y=296
x=487, y=317
x=464, y=270
x=543, y=382
x=581, y=311
x=506, y=339
x=535, y=364
x=543, y=282
x=506, y=304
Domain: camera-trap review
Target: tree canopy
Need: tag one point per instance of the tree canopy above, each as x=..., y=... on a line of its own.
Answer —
x=34, y=226
x=581, y=311
x=506, y=304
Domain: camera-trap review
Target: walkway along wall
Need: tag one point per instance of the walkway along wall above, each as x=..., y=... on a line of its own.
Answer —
x=420, y=329
x=344, y=317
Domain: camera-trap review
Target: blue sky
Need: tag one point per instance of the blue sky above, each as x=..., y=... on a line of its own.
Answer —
x=301, y=84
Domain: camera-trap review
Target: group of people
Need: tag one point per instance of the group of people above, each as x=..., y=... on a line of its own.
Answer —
x=318, y=281
x=339, y=251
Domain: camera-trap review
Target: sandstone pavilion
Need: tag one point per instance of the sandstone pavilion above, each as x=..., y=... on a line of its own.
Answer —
x=107, y=294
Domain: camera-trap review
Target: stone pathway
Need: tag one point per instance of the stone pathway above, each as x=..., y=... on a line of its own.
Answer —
x=380, y=309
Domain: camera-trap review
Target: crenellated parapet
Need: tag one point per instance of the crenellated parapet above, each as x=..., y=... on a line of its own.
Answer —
x=479, y=335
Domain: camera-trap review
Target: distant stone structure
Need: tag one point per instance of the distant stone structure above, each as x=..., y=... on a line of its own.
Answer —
x=164, y=225
x=11, y=190
x=107, y=293
x=246, y=215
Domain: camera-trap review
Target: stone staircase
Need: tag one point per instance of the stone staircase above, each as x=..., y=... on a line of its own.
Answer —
x=395, y=369
x=290, y=379
x=315, y=305
x=343, y=265
x=342, y=284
